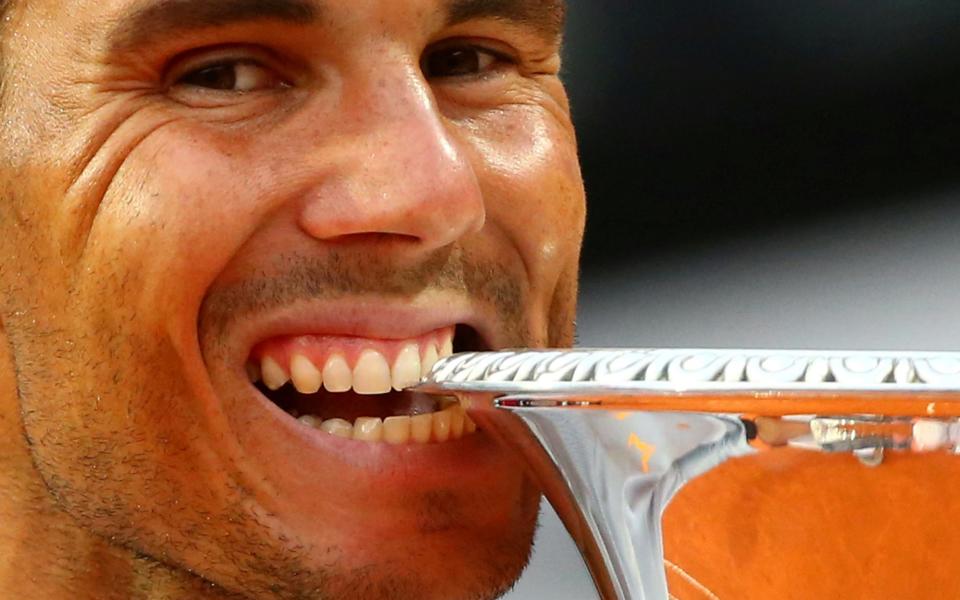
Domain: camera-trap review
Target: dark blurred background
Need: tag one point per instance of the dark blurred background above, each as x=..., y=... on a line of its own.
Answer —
x=704, y=120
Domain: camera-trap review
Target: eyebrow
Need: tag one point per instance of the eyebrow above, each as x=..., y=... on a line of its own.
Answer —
x=155, y=20
x=547, y=17
x=152, y=21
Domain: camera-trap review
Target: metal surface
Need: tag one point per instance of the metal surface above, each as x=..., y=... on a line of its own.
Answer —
x=612, y=435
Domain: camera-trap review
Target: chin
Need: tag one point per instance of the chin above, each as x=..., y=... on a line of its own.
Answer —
x=438, y=555
x=465, y=567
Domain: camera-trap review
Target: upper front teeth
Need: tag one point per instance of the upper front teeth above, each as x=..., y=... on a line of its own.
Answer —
x=371, y=375
x=406, y=367
x=337, y=376
x=371, y=372
x=429, y=359
x=273, y=374
x=306, y=377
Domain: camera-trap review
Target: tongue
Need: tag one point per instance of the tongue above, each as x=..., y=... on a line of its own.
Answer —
x=349, y=405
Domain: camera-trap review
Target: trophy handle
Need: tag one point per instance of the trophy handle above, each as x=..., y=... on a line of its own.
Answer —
x=609, y=476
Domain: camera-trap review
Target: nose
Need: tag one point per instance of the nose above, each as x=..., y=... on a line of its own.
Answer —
x=399, y=171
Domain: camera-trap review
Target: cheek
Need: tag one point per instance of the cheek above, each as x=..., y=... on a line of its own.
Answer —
x=112, y=344
x=175, y=213
x=122, y=329
x=527, y=164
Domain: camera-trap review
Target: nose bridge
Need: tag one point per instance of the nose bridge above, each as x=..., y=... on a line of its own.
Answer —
x=407, y=141
x=400, y=171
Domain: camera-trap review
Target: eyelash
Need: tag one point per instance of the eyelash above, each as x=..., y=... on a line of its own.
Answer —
x=500, y=59
x=224, y=57
x=238, y=57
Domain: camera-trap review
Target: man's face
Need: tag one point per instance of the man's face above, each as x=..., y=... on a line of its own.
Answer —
x=197, y=189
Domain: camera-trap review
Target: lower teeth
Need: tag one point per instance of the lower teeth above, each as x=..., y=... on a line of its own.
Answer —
x=451, y=423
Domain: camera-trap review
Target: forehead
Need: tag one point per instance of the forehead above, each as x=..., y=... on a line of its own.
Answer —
x=126, y=21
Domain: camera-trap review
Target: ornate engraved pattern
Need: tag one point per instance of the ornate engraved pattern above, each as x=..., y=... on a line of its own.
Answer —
x=675, y=369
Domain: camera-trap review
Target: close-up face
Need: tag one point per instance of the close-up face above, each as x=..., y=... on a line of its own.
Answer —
x=232, y=230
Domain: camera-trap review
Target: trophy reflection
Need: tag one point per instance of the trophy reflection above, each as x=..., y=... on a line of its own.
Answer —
x=787, y=474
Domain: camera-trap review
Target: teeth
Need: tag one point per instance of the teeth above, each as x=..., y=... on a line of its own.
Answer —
x=406, y=369
x=441, y=425
x=456, y=421
x=421, y=426
x=273, y=375
x=306, y=377
x=449, y=424
x=429, y=359
x=338, y=427
x=369, y=373
x=336, y=375
x=311, y=420
x=372, y=374
x=422, y=419
x=368, y=429
x=396, y=430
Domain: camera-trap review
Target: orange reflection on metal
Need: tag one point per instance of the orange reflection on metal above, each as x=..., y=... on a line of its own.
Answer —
x=646, y=450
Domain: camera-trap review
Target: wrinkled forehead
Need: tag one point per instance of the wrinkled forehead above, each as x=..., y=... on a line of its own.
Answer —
x=127, y=22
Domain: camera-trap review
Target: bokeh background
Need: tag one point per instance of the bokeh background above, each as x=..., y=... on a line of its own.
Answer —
x=762, y=173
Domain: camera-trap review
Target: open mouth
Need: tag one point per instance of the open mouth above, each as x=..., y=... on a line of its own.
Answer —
x=353, y=387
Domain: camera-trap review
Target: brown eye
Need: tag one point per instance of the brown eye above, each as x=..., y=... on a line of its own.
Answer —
x=460, y=61
x=233, y=76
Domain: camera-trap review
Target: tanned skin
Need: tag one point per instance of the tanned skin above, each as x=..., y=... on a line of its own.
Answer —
x=177, y=175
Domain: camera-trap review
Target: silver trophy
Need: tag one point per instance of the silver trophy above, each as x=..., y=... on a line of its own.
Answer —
x=611, y=435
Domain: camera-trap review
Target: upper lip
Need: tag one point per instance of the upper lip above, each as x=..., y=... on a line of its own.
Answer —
x=368, y=317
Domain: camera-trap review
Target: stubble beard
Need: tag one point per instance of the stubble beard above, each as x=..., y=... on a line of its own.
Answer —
x=250, y=557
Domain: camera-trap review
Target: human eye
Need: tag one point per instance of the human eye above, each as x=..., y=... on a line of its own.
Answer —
x=227, y=71
x=458, y=60
x=234, y=76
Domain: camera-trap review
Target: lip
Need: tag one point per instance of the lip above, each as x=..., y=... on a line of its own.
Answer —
x=295, y=473
x=373, y=318
x=364, y=318
x=269, y=436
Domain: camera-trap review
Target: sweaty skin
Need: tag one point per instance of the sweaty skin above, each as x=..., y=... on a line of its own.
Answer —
x=181, y=179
